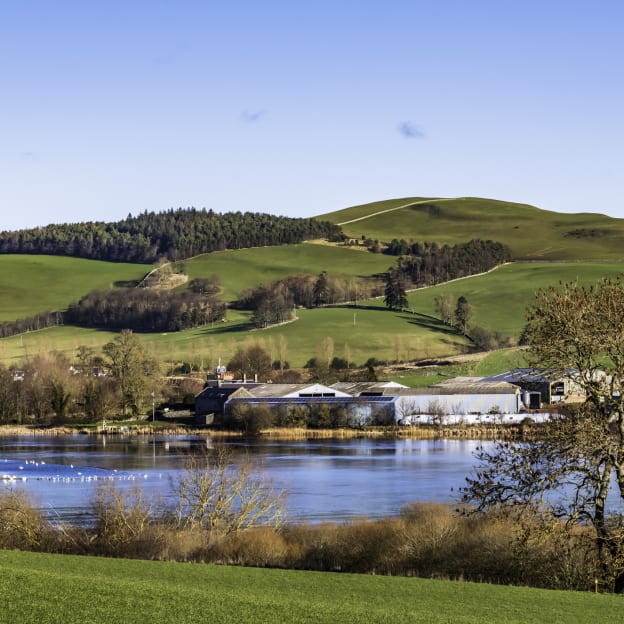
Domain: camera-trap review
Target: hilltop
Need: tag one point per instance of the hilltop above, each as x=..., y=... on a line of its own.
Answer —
x=531, y=233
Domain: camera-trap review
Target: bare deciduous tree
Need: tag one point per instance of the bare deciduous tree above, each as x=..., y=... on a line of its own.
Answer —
x=578, y=460
x=221, y=497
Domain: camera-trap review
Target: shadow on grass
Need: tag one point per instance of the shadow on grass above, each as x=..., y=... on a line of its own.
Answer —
x=226, y=328
x=430, y=323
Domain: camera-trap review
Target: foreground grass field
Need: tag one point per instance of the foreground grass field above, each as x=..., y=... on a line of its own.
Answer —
x=47, y=589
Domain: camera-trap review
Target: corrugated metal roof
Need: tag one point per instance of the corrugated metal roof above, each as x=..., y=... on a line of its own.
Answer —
x=529, y=375
x=275, y=390
x=357, y=387
x=307, y=400
x=458, y=388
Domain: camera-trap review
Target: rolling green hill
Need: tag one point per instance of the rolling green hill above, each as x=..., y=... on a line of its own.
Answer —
x=500, y=298
x=372, y=333
x=35, y=284
x=530, y=233
x=245, y=268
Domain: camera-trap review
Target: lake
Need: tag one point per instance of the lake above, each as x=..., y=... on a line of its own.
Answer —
x=325, y=479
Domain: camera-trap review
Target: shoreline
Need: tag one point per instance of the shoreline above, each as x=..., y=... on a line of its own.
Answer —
x=420, y=432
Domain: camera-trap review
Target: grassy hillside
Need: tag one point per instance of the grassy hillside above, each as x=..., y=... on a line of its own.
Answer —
x=529, y=231
x=499, y=300
x=245, y=268
x=501, y=297
x=46, y=589
x=375, y=333
x=33, y=284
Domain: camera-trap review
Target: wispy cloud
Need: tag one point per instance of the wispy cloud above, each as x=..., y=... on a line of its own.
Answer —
x=28, y=155
x=252, y=116
x=410, y=131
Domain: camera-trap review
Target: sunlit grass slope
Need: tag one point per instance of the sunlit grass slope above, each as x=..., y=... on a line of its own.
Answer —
x=356, y=334
x=529, y=231
x=500, y=298
x=47, y=589
x=246, y=268
x=33, y=284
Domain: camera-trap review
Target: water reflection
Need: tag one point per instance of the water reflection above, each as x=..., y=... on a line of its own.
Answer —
x=326, y=480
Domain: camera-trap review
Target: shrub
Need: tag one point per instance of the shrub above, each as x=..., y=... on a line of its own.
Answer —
x=22, y=526
x=126, y=524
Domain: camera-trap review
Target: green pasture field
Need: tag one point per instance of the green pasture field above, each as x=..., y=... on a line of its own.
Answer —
x=246, y=268
x=501, y=297
x=48, y=589
x=530, y=232
x=32, y=284
x=357, y=334
x=499, y=300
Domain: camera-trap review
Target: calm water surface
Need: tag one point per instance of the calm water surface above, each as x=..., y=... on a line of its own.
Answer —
x=326, y=480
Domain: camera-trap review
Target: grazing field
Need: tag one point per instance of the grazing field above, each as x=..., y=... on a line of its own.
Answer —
x=47, y=589
x=499, y=301
x=500, y=298
x=529, y=231
x=246, y=268
x=33, y=284
x=357, y=335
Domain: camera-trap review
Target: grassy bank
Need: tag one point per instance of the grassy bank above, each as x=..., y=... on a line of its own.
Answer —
x=47, y=589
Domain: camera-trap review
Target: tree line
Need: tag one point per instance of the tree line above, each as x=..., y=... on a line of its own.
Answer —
x=145, y=309
x=52, y=389
x=31, y=323
x=174, y=234
x=426, y=264
x=275, y=302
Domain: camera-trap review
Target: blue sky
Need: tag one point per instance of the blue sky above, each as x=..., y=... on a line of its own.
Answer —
x=111, y=108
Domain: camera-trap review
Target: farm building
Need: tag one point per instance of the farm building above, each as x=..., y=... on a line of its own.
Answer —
x=210, y=402
x=463, y=399
x=366, y=388
x=313, y=402
x=542, y=387
x=290, y=391
x=456, y=400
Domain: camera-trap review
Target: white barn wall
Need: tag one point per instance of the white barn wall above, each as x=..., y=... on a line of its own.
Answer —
x=409, y=407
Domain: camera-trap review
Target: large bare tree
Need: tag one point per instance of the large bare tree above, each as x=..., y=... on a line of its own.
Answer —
x=574, y=468
x=221, y=496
